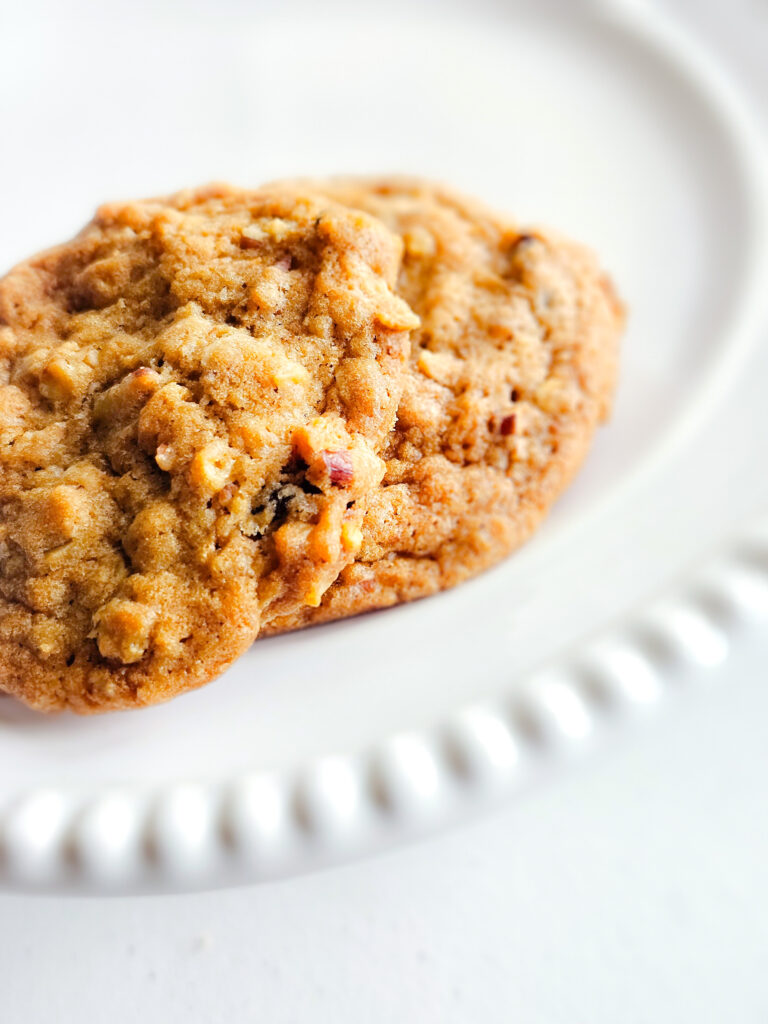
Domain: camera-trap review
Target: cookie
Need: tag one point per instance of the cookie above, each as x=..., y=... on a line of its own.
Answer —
x=193, y=396
x=510, y=372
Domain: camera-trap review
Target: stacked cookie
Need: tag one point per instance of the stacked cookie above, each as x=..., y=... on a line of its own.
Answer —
x=233, y=413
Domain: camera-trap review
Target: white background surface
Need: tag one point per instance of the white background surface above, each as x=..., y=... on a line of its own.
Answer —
x=635, y=890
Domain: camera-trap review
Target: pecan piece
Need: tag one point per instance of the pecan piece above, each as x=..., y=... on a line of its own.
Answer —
x=339, y=466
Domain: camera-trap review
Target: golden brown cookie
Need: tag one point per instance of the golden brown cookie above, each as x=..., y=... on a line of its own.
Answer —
x=511, y=370
x=193, y=394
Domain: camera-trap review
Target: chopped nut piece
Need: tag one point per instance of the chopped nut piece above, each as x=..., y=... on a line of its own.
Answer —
x=339, y=465
x=442, y=367
x=287, y=371
x=314, y=594
x=326, y=432
x=144, y=378
x=557, y=396
x=325, y=538
x=226, y=494
x=123, y=629
x=351, y=537
x=419, y=242
x=66, y=511
x=58, y=380
x=252, y=238
x=164, y=457
x=210, y=468
x=49, y=637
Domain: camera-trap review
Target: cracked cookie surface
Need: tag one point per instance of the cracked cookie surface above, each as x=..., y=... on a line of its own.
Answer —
x=193, y=396
x=510, y=372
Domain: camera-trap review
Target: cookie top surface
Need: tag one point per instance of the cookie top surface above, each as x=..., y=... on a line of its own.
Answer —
x=193, y=393
x=510, y=371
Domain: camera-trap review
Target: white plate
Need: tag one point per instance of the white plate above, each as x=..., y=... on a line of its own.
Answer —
x=320, y=746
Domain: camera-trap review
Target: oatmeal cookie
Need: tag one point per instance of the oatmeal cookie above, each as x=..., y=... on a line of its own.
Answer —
x=510, y=372
x=193, y=396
